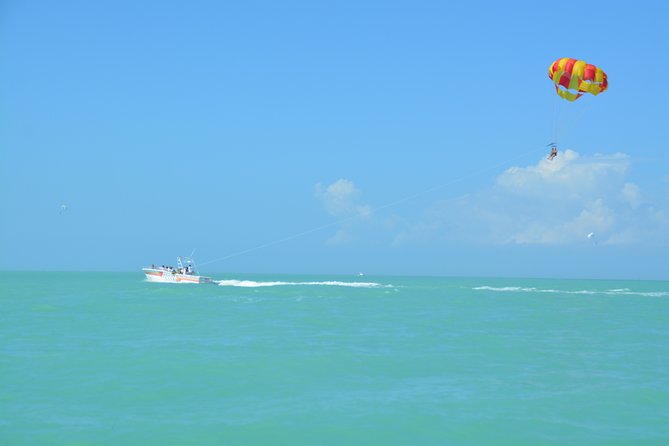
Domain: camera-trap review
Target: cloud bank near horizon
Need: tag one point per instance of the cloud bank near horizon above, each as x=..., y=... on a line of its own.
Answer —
x=572, y=200
x=554, y=203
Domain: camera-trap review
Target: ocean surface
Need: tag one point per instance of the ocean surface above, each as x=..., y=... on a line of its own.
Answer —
x=109, y=359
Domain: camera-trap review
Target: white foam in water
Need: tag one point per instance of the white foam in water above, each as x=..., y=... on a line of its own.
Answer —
x=613, y=292
x=506, y=288
x=254, y=284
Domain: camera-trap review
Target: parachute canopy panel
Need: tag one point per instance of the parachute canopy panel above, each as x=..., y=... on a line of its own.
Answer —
x=573, y=78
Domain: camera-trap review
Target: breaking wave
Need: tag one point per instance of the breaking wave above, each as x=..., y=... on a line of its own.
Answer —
x=254, y=284
x=612, y=292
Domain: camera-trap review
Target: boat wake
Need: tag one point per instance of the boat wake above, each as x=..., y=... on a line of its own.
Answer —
x=612, y=292
x=255, y=284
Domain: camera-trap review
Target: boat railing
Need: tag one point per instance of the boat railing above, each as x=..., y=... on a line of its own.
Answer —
x=186, y=266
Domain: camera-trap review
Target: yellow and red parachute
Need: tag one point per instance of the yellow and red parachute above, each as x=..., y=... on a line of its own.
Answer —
x=574, y=77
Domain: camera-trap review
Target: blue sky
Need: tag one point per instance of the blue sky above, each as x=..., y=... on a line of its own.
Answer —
x=411, y=133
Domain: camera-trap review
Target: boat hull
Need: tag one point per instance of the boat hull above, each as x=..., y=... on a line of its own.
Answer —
x=164, y=276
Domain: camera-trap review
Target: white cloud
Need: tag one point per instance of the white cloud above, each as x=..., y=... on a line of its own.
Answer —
x=567, y=177
x=631, y=194
x=340, y=199
x=550, y=203
x=554, y=202
x=594, y=217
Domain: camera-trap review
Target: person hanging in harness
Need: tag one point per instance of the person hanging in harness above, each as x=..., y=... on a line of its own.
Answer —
x=554, y=152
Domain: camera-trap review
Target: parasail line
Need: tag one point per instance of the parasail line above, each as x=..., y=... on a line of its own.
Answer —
x=378, y=208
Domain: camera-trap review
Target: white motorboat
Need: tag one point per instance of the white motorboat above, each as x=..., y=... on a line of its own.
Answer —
x=185, y=272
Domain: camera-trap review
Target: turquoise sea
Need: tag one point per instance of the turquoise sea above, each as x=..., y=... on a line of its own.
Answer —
x=109, y=359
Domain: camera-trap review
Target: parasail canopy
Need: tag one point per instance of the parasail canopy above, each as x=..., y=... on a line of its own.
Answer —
x=573, y=78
